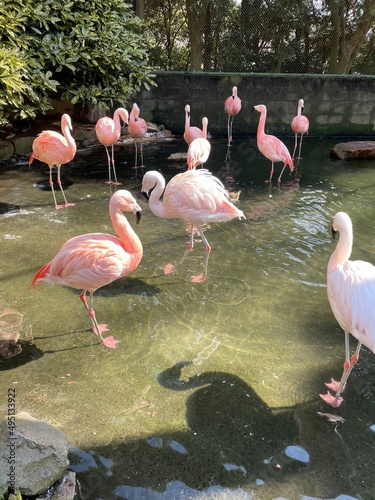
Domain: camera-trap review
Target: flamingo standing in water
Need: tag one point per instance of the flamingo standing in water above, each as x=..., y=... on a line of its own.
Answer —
x=137, y=129
x=91, y=261
x=232, y=107
x=195, y=196
x=270, y=146
x=351, y=293
x=300, y=125
x=190, y=133
x=199, y=149
x=55, y=149
x=108, y=132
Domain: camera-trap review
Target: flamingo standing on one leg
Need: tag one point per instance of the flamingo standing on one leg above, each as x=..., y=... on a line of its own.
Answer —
x=195, y=196
x=300, y=125
x=108, y=132
x=199, y=149
x=232, y=107
x=137, y=129
x=351, y=292
x=93, y=260
x=190, y=133
x=270, y=146
x=55, y=149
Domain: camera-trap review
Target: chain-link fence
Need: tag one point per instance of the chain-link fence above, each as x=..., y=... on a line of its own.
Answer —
x=274, y=36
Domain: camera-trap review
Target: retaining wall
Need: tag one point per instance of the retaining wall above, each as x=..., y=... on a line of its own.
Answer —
x=335, y=105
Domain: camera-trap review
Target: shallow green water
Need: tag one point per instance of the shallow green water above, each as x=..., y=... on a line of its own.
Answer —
x=213, y=390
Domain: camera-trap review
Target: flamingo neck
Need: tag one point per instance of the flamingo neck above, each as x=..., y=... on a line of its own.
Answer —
x=69, y=138
x=116, y=118
x=261, y=123
x=204, y=129
x=155, y=204
x=129, y=238
x=343, y=249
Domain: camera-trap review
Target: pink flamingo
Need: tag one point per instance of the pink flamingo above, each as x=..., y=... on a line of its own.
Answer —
x=199, y=149
x=55, y=149
x=270, y=146
x=91, y=261
x=232, y=107
x=351, y=292
x=300, y=125
x=190, y=133
x=137, y=129
x=195, y=196
x=108, y=132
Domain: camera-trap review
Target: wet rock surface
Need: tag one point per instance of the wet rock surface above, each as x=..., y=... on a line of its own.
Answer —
x=33, y=452
x=354, y=150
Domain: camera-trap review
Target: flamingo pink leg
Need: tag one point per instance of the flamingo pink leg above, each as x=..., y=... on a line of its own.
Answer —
x=53, y=190
x=111, y=161
x=339, y=387
x=97, y=329
x=61, y=189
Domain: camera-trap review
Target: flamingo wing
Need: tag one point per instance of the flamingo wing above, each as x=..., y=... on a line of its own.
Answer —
x=197, y=196
x=351, y=288
x=52, y=148
x=87, y=262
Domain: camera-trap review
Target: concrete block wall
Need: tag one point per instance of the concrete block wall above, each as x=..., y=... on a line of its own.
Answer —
x=335, y=105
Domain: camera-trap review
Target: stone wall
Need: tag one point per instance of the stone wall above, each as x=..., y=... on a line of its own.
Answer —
x=335, y=105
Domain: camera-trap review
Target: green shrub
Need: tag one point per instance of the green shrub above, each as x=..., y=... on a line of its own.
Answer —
x=86, y=51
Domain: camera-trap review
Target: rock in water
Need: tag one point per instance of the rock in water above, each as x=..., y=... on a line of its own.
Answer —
x=354, y=150
x=32, y=453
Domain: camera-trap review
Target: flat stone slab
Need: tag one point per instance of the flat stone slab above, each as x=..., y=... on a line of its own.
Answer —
x=354, y=150
x=178, y=157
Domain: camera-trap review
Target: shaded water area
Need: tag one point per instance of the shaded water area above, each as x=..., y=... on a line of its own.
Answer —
x=213, y=391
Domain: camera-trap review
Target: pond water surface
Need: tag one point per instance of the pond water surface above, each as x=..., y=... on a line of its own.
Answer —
x=213, y=391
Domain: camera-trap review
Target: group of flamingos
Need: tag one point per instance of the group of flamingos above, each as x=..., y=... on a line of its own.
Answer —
x=91, y=261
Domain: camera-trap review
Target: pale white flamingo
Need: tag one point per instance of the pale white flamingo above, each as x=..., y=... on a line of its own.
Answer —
x=195, y=196
x=351, y=294
x=199, y=149
x=91, y=261
x=300, y=125
x=55, y=149
x=270, y=146
x=108, y=132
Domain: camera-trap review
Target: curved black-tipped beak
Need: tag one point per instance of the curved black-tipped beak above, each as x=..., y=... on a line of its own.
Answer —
x=138, y=216
x=334, y=232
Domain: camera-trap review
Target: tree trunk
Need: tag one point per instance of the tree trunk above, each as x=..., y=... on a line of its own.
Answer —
x=196, y=16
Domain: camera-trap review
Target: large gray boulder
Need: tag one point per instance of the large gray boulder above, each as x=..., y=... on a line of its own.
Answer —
x=33, y=454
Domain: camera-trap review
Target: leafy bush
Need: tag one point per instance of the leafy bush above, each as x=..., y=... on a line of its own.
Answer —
x=86, y=51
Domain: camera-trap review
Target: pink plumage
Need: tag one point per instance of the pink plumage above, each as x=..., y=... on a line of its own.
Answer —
x=137, y=129
x=232, y=107
x=108, y=132
x=270, y=146
x=199, y=149
x=55, y=149
x=195, y=196
x=351, y=294
x=190, y=133
x=300, y=125
x=91, y=261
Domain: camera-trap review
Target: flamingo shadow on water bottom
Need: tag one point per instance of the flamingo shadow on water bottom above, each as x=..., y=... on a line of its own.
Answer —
x=233, y=438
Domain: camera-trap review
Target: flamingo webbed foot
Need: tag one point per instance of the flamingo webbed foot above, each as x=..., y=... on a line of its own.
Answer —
x=110, y=342
x=69, y=205
x=113, y=183
x=333, y=401
x=58, y=207
x=200, y=278
x=169, y=269
x=334, y=385
x=102, y=328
